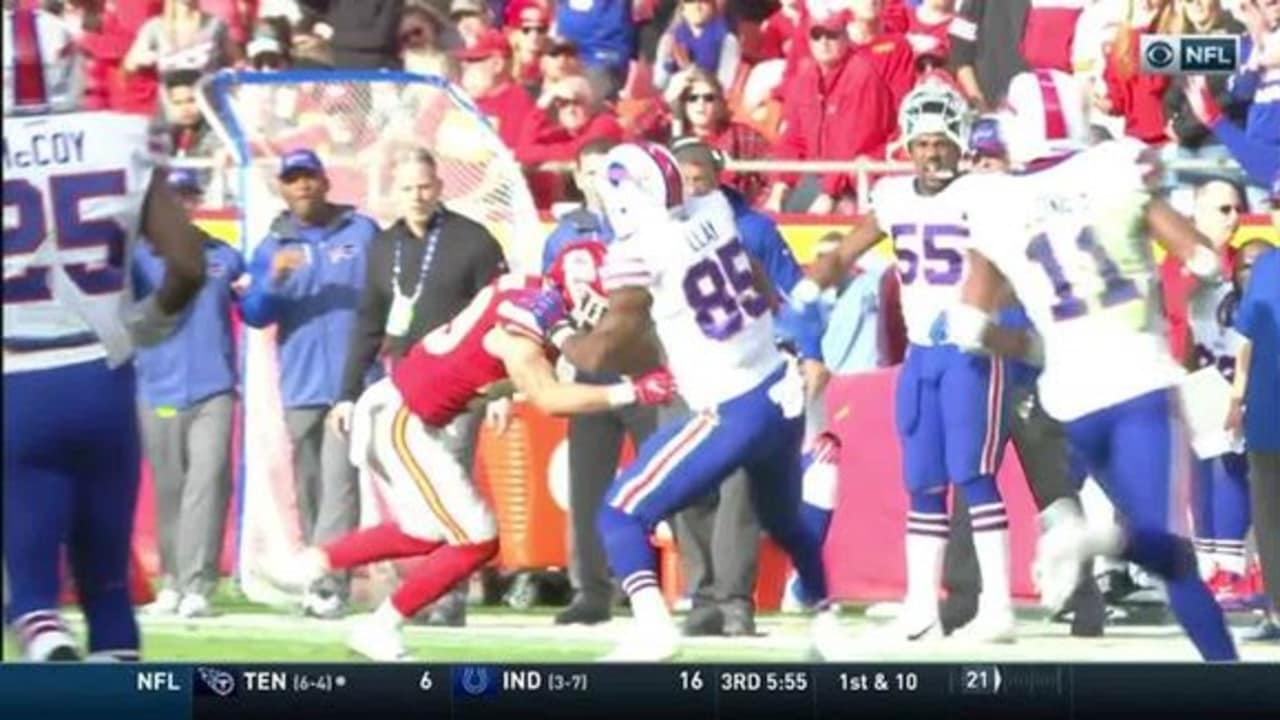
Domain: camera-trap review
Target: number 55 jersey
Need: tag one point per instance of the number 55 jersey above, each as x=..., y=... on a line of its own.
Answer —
x=1070, y=237
x=74, y=187
x=714, y=324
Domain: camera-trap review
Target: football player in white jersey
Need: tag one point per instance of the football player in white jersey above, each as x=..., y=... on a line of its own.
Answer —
x=950, y=404
x=678, y=266
x=1070, y=233
x=78, y=189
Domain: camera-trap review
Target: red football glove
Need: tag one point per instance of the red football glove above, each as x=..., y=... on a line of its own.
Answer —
x=656, y=387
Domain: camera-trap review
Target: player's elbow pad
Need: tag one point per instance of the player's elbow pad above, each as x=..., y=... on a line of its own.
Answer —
x=966, y=325
x=148, y=324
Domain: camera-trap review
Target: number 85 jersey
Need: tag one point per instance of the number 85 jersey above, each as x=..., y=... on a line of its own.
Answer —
x=715, y=327
x=74, y=186
x=1072, y=240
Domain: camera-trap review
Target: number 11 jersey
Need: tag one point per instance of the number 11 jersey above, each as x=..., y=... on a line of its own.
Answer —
x=1072, y=240
x=715, y=326
x=74, y=187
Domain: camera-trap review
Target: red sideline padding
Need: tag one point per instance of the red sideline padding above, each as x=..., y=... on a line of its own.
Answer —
x=865, y=551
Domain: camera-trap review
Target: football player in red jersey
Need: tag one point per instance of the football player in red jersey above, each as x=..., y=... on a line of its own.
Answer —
x=504, y=333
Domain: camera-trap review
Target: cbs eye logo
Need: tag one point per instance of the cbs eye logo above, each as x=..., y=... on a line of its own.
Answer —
x=1159, y=55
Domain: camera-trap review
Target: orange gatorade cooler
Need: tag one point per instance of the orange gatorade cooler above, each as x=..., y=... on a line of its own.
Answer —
x=517, y=470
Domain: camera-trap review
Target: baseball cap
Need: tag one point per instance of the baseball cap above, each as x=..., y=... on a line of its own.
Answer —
x=300, y=161
x=184, y=180
x=838, y=20
x=526, y=14
x=557, y=45
x=466, y=7
x=262, y=45
x=489, y=44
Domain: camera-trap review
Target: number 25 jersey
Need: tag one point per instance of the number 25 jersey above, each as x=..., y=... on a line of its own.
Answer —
x=74, y=187
x=1072, y=240
x=715, y=327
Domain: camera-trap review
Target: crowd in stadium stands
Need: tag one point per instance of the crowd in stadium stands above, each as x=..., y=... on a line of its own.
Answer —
x=561, y=80
x=795, y=79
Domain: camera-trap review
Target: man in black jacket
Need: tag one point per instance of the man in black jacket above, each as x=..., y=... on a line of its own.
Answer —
x=365, y=32
x=422, y=271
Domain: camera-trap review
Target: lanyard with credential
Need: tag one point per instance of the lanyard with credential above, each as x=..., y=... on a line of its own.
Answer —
x=401, y=315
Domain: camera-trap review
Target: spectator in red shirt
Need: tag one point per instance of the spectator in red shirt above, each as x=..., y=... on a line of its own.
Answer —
x=486, y=76
x=1131, y=93
x=837, y=107
x=1049, y=32
x=570, y=114
x=699, y=109
x=779, y=30
x=108, y=34
x=889, y=52
x=928, y=28
x=529, y=24
x=237, y=14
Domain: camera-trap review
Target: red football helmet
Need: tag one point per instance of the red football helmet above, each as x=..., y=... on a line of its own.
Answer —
x=576, y=273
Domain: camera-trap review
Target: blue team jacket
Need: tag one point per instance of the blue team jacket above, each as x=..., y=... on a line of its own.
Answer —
x=1259, y=320
x=314, y=307
x=198, y=360
x=602, y=29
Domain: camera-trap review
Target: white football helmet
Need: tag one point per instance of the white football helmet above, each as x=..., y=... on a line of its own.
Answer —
x=640, y=183
x=934, y=107
x=1045, y=114
x=42, y=71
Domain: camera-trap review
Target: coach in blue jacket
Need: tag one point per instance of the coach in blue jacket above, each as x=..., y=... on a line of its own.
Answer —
x=306, y=278
x=186, y=396
x=719, y=538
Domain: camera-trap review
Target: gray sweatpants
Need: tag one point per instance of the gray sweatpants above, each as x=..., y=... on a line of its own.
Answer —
x=324, y=481
x=719, y=540
x=595, y=444
x=1264, y=494
x=190, y=455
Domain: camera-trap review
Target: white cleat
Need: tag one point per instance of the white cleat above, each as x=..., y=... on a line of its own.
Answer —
x=1059, y=556
x=987, y=628
x=791, y=602
x=827, y=639
x=641, y=645
x=166, y=603
x=295, y=573
x=194, y=606
x=910, y=627
x=377, y=641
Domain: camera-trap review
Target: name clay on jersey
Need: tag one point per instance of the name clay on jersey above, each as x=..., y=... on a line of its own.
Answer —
x=929, y=235
x=714, y=324
x=1071, y=239
x=74, y=189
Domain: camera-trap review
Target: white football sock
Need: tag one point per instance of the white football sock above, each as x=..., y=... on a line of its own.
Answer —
x=650, y=608
x=388, y=615
x=992, y=547
x=924, y=573
x=1230, y=556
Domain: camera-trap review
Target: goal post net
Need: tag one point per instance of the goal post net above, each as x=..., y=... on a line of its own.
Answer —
x=358, y=123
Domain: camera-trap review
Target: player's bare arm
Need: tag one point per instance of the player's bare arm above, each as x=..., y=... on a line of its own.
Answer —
x=831, y=267
x=984, y=292
x=1176, y=234
x=623, y=341
x=176, y=239
x=533, y=376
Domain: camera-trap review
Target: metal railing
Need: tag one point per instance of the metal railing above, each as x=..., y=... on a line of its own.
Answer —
x=219, y=192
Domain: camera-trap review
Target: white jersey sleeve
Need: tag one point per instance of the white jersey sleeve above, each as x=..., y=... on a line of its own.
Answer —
x=1072, y=241
x=74, y=190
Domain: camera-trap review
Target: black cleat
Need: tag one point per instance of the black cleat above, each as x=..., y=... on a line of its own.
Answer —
x=63, y=653
x=704, y=620
x=584, y=612
x=739, y=620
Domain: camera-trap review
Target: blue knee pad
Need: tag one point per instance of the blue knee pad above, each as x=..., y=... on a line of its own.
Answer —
x=929, y=502
x=981, y=490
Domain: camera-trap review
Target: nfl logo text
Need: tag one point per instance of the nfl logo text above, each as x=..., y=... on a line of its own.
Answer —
x=1189, y=54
